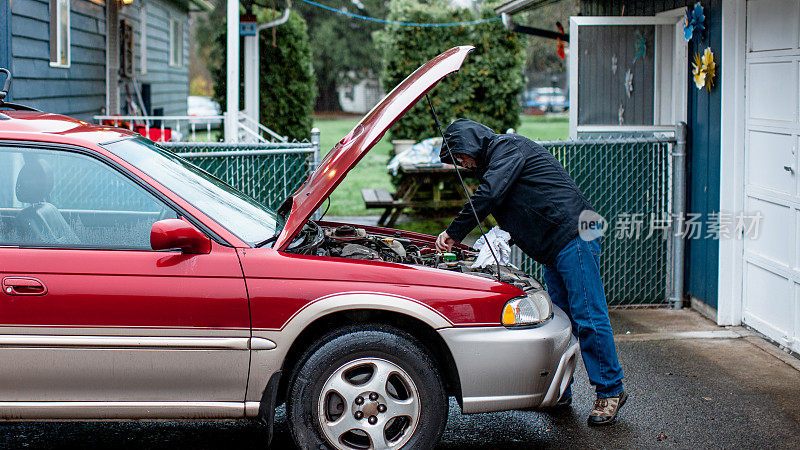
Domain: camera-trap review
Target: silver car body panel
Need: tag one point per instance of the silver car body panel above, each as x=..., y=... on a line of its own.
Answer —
x=66, y=365
x=505, y=368
x=13, y=411
x=266, y=362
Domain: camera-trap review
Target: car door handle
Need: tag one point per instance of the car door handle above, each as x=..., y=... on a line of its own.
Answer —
x=788, y=169
x=23, y=286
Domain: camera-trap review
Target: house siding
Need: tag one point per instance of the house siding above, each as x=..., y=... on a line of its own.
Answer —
x=78, y=90
x=169, y=85
x=703, y=149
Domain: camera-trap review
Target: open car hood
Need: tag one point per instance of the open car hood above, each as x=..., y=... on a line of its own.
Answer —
x=349, y=151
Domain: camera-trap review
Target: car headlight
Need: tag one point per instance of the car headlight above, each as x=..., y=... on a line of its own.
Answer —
x=532, y=309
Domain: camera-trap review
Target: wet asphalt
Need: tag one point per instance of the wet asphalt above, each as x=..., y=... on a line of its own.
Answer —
x=684, y=393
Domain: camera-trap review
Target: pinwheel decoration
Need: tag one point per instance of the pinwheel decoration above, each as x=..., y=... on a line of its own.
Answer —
x=705, y=69
x=694, y=21
x=628, y=82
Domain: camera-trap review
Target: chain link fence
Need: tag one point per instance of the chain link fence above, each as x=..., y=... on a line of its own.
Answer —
x=268, y=172
x=621, y=177
x=625, y=180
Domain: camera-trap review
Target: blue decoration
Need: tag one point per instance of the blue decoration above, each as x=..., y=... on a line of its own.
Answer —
x=640, y=45
x=694, y=21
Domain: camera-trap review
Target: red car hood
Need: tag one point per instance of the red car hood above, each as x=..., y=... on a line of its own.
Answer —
x=349, y=151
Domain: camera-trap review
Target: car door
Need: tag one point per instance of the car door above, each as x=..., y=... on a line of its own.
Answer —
x=89, y=313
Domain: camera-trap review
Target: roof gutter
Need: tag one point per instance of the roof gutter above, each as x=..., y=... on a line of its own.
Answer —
x=515, y=6
x=509, y=23
x=279, y=21
x=203, y=5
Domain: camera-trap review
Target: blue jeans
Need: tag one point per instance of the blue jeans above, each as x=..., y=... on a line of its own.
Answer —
x=574, y=284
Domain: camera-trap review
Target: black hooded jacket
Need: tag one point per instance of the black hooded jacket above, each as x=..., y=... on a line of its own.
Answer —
x=522, y=185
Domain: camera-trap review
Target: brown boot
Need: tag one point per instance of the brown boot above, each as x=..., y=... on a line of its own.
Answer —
x=606, y=409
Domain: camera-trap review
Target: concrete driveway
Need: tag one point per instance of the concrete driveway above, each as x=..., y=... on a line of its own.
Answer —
x=692, y=384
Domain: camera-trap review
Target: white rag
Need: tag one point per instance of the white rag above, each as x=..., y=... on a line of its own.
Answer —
x=498, y=240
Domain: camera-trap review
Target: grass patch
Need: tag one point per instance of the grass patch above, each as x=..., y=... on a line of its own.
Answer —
x=371, y=171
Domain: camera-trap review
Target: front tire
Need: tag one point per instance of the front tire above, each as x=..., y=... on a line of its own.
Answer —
x=371, y=387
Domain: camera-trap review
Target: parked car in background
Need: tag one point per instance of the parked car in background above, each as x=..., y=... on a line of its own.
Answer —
x=137, y=286
x=549, y=99
x=202, y=108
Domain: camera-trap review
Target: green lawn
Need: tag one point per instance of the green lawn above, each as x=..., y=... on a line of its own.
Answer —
x=371, y=171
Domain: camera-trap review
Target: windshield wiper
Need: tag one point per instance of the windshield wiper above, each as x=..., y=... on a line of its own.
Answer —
x=267, y=241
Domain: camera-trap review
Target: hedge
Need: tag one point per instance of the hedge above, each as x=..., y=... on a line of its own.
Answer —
x=486, y=88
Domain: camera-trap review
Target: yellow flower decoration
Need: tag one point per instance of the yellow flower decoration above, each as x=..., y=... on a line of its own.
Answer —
x=705, y=69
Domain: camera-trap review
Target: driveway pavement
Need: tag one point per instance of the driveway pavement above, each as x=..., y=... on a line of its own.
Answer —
x=692, y=385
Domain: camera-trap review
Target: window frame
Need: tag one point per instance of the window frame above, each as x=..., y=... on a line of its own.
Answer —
x=114, y=166
x=175, y=54
x=56, y=30
x=679, y=72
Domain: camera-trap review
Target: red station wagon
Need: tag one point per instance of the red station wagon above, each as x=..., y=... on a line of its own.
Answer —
x=137, y=286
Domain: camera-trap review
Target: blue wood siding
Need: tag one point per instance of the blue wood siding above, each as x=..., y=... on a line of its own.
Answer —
x=169, y=84
x=78, y=90
x=702, y=256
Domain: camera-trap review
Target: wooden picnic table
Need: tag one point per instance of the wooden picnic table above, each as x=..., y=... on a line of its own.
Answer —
x=420, y=186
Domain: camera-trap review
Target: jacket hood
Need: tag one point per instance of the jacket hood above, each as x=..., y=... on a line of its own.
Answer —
x=467, y=137
x=348, y=152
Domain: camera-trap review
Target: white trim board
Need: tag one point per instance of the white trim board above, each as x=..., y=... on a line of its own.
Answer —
x=732, y=139
x=679, y=76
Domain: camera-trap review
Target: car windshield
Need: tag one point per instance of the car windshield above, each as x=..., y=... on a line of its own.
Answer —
x=242, y=215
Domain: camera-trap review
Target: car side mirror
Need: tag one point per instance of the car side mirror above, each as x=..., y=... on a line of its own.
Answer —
x=176, y=233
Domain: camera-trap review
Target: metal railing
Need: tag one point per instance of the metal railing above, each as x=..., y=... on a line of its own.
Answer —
x=191, y=128
x=257, y=130
x=169, y=128
x=631, y=183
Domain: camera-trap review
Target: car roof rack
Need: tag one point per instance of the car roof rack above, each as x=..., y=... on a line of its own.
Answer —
x=4, y=94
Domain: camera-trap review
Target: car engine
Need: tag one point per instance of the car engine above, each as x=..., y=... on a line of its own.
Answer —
x=347, y=241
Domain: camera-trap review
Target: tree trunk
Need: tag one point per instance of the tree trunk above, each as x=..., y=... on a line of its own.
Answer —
x=328, y=98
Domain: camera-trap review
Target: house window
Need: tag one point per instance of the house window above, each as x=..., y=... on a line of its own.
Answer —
x=175, y=43
x=627, y=74
x=59, y=33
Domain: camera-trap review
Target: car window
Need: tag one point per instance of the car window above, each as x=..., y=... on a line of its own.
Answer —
x=240, y=214
x=61, y=199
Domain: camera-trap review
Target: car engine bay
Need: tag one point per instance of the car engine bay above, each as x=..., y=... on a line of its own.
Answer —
x=348, y=241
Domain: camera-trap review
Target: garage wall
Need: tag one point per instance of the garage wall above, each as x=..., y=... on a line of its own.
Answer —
x=703, y=168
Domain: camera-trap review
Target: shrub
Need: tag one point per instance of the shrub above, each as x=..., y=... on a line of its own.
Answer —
x=287, y=84
x=487, y=87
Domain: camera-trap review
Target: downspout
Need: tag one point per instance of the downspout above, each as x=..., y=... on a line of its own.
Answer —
x=279, y=21
x=232, y=68
x=678, y=215
x=253, y=57
x=112, y=57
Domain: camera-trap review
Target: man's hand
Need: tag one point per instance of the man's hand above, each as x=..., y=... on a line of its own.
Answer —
x=444, y=242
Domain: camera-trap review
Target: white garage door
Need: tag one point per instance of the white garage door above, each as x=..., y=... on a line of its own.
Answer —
x=772, y=173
